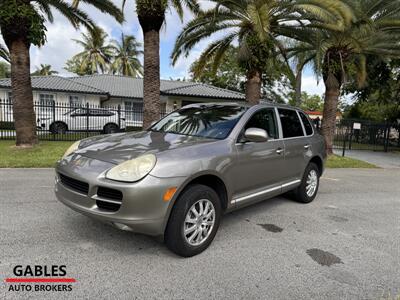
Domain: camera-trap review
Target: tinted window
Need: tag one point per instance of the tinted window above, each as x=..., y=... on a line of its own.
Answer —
x=264, y=119
x=79, y=112
x=307, y=124
x=210, y=121
x=291, y=125
x=100, y=113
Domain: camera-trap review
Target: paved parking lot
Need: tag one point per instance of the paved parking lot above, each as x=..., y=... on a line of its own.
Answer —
x=345, y=245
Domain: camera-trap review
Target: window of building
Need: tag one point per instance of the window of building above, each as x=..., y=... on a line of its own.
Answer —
x=291, y=125
x=46, y=102
x=9, y=97
x=75, y=101
x=307, y=125
x=133, y=111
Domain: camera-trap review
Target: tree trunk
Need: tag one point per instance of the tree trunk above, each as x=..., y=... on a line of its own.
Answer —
x=332, y=93
x=24, y=114
x=299, y=78
x=151, y=79
x=253, y=87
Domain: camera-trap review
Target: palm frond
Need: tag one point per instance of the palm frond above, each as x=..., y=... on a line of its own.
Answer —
x=4, y=54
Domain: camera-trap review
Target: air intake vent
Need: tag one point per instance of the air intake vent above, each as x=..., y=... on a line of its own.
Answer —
x=73, y=184
x=107, y=193
x=108, y=199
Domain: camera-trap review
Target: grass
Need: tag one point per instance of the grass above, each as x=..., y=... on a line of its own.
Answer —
x=335, y=161
x=44, y=155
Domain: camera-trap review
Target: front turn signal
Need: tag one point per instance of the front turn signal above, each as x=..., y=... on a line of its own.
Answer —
x=169, y=194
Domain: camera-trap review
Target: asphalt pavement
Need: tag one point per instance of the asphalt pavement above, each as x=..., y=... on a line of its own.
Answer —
x=344, y=245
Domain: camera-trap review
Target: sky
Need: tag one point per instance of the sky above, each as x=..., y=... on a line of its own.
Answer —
x=60, y=47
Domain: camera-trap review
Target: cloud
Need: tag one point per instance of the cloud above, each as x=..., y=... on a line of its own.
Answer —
x=311, y=86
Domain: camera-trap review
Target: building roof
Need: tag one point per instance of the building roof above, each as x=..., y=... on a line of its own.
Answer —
x=125, y=87
x=320, y=113
x=56, y=84
x=129, y=87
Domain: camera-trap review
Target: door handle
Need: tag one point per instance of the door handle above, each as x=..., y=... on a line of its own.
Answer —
x=279, y=150
x=306, y=147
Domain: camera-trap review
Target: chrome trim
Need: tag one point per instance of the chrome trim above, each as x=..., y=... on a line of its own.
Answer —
x=291, y=183
x=255, y=194
x=97, y=198
x=240, y=199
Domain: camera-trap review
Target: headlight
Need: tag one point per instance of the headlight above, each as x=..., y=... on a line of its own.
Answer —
x=133, y=170
x=72, y=149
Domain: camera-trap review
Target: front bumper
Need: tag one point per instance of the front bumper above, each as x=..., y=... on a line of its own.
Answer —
x=142, y=208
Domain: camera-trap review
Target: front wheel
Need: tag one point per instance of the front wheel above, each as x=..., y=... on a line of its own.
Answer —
x=111, y=128
x=58, y=128
x=308, y=189
x=194, y=221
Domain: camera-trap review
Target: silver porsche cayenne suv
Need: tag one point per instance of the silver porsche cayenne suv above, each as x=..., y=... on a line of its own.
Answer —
x=176, y=179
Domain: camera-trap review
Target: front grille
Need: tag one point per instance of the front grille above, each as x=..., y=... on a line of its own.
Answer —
x=107, y=193
x=108, y=205
x=74, y=184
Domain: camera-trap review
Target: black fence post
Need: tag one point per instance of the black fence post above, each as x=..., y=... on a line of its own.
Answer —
x=54, y=118
x=87, y=119
x=119, y=116
x=387, y=136
x=344, y=144
x=351, y=135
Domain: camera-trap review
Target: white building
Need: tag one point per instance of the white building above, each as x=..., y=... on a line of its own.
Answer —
x=114, y=90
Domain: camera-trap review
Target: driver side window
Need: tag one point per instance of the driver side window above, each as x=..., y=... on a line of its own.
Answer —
x=264, y=119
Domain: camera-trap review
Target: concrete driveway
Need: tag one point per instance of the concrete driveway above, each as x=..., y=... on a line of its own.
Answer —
x=344, y=245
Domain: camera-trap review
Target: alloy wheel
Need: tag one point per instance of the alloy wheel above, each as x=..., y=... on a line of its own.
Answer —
x=199, y=222
x=312, y=183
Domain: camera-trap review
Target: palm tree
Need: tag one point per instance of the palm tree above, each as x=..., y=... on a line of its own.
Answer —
x=97, y=53
x=125, y=56
x=4, y=54
x=257, y=26
x=44, y=70
x=341, y=53
x=22, y=24
x=151, y=14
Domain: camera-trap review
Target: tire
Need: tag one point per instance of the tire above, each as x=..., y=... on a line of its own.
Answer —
x=306, y=193
x=192, y=197
x=58, y=128
x=111, y=128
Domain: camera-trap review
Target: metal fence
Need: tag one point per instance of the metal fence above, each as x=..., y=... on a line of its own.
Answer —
x=367, y=135
x=66, y=122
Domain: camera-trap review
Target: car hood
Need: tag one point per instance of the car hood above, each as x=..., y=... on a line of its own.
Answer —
x=118, y=148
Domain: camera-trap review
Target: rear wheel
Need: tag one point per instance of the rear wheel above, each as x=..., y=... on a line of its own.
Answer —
x=111, y=128
x=58, y=128
x=308, y=189
x=194, y=221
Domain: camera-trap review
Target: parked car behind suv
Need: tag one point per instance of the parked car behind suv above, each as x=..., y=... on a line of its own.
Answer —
x=179, y=177
x=82, y=119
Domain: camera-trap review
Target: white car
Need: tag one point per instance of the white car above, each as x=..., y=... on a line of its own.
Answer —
x=83, y=119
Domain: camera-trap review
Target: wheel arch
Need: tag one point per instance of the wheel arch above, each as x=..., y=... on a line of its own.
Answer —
x=319, y=162
x=110, y=123
x=209, y=179
x=57, y=122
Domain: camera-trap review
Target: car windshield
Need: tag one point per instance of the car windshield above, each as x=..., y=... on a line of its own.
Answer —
x=209, y=121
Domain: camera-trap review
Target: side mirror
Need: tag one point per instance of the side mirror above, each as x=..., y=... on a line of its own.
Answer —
x=256, y=135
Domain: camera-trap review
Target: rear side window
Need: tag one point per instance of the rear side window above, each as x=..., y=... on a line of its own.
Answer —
x=264, y=119
x=291, y=125
x=307, y=124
